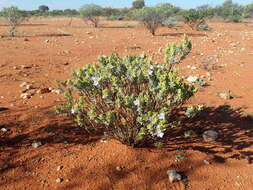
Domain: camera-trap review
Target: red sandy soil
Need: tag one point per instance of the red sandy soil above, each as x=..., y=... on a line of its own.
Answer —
x=89, y=164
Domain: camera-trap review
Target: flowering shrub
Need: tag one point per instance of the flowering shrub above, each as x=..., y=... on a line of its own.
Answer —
x=131, y=99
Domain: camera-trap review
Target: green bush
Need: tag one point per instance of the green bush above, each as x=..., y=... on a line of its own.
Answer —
x=91, y=12
x=132, y=99
x=138, y=4
x=151, y=17
x=14, y=17
x=203, y=27
x=194, y=18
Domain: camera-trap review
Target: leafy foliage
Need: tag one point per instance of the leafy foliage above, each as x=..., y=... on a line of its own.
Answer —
x=14, y=17
x=43, y=8
x=91, y=12
x=131, y=99
x=138, y=4
x=194, y=18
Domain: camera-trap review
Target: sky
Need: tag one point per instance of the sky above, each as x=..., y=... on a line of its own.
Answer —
x=76, y=4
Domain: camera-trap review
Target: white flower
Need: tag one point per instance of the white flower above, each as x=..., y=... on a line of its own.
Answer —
x=150, y=72
x=158, y=132
x=161, y=116
x=95, y=81
x=160, y=66
x=137, y=102
x=151, y=67
x=74, y=110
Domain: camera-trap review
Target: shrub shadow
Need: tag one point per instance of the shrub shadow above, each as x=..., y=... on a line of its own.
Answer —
x=181, y=34
x=235, y=138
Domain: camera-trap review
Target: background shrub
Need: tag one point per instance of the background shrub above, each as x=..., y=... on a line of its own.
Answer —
x=138, y=4
x=132, y=99
x=91, y=12
x=194, y=18
x=14, y=17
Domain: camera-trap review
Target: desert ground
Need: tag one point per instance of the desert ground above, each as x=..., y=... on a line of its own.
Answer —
x=47, y=50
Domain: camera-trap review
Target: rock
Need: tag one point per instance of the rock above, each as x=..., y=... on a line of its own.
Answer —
x=29, y=87
x=43, y=91
x=66, y=63
x=210, y=136
x=26, y=39
x=3, y=129
x=46, y=41
x=36, y=144
x=57, y=91
x=119, y=168
x=207, y=162
x=59, y=168
x=192, y=79
x=23, y=84
x=225, y=95
x=173, y=176
x=58, y=180
x=66, y=52
x=25, y=96
x=88, y=32
x=103, y=140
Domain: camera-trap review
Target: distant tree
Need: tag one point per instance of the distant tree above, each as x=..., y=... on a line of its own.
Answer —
x=206, y=10
x=230, y=11
x=194, y=18
x=138, y=4
x=151, y=17
x=248, y=11
x=43, y=8
x=14, y=17
x=91, y=12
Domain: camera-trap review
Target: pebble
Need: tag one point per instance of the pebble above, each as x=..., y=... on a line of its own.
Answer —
x=23, y=84
x=119, y=168
x=210, y=136
x=224, y=95
x=57, y=91
x=25, y=96
x=59, y=168
x=36, y=144
x=43, y=91
x=3, y=129
x=173, y=176
x=192, y=79
x=46, y=41
x=59, y=180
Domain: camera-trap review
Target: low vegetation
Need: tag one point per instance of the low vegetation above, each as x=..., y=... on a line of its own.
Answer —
x=14, y=17
x=131, y=99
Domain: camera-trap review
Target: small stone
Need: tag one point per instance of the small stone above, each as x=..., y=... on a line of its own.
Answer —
x=4, y=130
x=225, y=95
x=43, y=91
x=26, y=39
x=119, y=168
x=173, y=176
x=25, y=96
x=66, y=52
x=66, y=63
x=57, y=91
x=192, y=79
x=206, y=162
x=210, y=136
x=46, y=41
x=23, y=84
x=36, y=144
x=59, y=168
x=29, y=87
x=59, y=180
x=103, y=140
